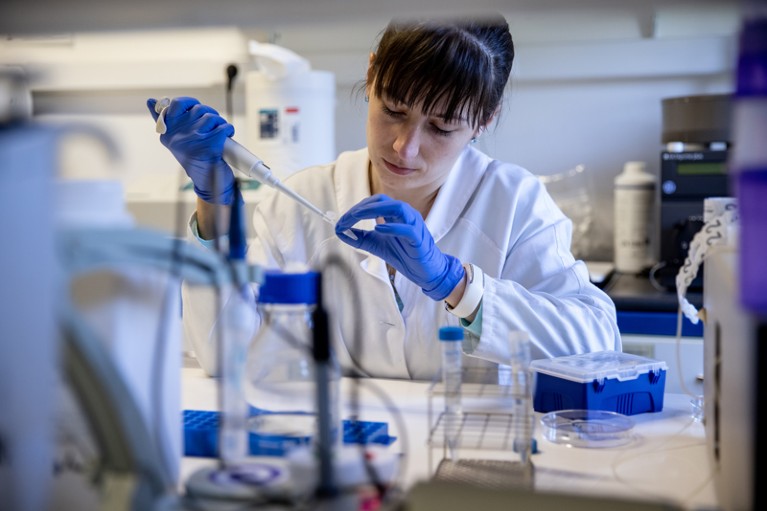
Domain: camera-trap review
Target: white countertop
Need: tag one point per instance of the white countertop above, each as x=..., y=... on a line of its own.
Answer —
x=666, y=460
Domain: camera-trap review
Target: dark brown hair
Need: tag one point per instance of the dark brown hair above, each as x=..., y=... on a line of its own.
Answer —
x=461, y=64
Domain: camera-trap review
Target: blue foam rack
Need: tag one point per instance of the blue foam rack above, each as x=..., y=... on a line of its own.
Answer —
x=201, y=436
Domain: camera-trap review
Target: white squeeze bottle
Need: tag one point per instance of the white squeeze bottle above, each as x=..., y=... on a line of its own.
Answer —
x=634, y=218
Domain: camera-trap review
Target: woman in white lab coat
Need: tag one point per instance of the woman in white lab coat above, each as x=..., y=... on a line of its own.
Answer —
x=445, y=234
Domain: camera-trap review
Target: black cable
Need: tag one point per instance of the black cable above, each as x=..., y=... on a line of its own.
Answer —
x=357, y=374
x=334, y=260
x=231, y=74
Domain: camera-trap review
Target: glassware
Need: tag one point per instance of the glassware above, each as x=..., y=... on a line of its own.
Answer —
x=280, y=373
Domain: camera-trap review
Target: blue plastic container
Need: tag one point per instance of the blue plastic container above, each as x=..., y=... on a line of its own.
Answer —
x=603, y=380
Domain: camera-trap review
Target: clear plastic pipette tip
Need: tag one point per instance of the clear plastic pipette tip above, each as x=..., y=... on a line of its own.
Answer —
x=331, y=218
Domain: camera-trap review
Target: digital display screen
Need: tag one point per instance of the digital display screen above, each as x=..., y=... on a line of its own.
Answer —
x=701, y=168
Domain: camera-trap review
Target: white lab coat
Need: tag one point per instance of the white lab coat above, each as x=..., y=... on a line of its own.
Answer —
x=495, y=215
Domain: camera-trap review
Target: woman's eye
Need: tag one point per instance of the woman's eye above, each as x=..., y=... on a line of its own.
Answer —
x=390, y=112
x=440, y=131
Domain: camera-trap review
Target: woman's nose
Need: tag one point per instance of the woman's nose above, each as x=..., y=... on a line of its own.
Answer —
x=407, y=143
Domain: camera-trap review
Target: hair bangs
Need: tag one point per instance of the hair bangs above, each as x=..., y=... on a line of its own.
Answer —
x=443, y=71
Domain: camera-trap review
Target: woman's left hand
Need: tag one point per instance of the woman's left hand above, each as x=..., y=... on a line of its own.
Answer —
x=404, y=242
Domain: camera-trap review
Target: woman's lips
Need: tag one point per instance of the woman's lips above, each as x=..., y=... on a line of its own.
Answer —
x=396, y=169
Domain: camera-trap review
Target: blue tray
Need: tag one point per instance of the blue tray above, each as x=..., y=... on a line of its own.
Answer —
x=201, y=436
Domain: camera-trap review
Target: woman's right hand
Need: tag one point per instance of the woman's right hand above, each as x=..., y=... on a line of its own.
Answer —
x=195, y=136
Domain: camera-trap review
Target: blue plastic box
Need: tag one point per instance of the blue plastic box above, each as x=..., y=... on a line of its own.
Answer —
x=603, y=380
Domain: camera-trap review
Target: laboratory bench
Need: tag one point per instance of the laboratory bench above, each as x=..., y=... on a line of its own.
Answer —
x=665, y=460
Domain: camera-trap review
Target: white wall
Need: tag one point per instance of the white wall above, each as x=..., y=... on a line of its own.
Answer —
x=586, y=86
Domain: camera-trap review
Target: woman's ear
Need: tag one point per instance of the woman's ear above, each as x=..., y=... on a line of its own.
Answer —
x=483, y=128
x=369, y=75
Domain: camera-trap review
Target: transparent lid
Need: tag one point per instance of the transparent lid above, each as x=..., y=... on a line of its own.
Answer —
x=587, y=428
x=597, y=366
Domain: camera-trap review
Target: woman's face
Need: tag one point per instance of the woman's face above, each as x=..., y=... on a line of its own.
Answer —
x=410, y=151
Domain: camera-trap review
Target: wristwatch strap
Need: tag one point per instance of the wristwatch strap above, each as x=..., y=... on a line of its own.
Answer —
x=472, y=294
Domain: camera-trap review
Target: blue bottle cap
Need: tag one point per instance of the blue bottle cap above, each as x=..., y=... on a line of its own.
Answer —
x=451, y=333
x=279, y=287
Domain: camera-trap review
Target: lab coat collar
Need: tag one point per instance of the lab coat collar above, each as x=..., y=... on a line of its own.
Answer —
x=454, y=195
x=350, y=189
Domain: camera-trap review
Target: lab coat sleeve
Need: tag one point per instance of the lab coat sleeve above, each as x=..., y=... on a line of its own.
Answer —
x=541, y=289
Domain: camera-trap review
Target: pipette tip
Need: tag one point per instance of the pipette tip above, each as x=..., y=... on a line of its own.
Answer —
x=331, y=218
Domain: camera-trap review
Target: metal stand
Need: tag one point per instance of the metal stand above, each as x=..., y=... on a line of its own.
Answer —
x=486, y=436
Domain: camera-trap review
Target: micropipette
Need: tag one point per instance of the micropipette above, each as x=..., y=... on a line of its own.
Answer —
x=252, y=166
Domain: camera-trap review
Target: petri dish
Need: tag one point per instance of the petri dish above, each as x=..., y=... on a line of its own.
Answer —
x=587, y=428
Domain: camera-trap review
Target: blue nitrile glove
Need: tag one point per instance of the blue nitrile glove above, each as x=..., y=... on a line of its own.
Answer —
x=195, y=137
x=404, y=242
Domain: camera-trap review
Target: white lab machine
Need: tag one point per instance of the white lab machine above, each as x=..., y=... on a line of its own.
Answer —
x=289, y=110
x=28, y=353
x=735, y=347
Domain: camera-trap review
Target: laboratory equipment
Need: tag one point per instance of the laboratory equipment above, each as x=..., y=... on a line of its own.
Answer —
x=201, y=436
x=735, y=386
x=289, y=110
x=749, y=159
x=451, y=339
x=254, y=167
x=495, y=432
x=587, y=428
x=693, y=166
x=280, y=373
x=239, y=318
x=523, y=418
x=28, y=350
x=602, y=380
x=126, y=443
x=634, y=218
x=133, y=311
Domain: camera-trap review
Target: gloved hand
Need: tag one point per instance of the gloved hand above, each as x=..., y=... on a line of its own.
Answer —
x=195, y=136
x=404, y=242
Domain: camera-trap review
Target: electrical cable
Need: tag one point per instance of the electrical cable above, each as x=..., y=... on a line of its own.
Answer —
x=231, y=74
x=158, y=362
x=630, y=453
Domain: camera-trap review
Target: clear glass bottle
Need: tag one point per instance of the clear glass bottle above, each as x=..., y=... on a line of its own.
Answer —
x=280, y=372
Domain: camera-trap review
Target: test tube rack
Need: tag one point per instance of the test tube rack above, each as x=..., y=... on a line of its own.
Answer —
x=487, y=455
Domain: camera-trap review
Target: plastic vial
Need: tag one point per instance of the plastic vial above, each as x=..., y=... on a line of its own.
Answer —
x=523, y=418
x=280, y=371
x=749, y=160
x=634, y=218
x=451, y=339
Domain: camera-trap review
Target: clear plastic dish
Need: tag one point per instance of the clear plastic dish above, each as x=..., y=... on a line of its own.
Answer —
x=587, y=428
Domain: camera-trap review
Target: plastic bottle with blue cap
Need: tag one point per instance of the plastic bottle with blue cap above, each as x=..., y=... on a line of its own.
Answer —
x=451, y=339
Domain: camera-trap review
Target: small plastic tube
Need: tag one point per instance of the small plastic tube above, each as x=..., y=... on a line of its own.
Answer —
x=523, y=418
x=452, y=374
